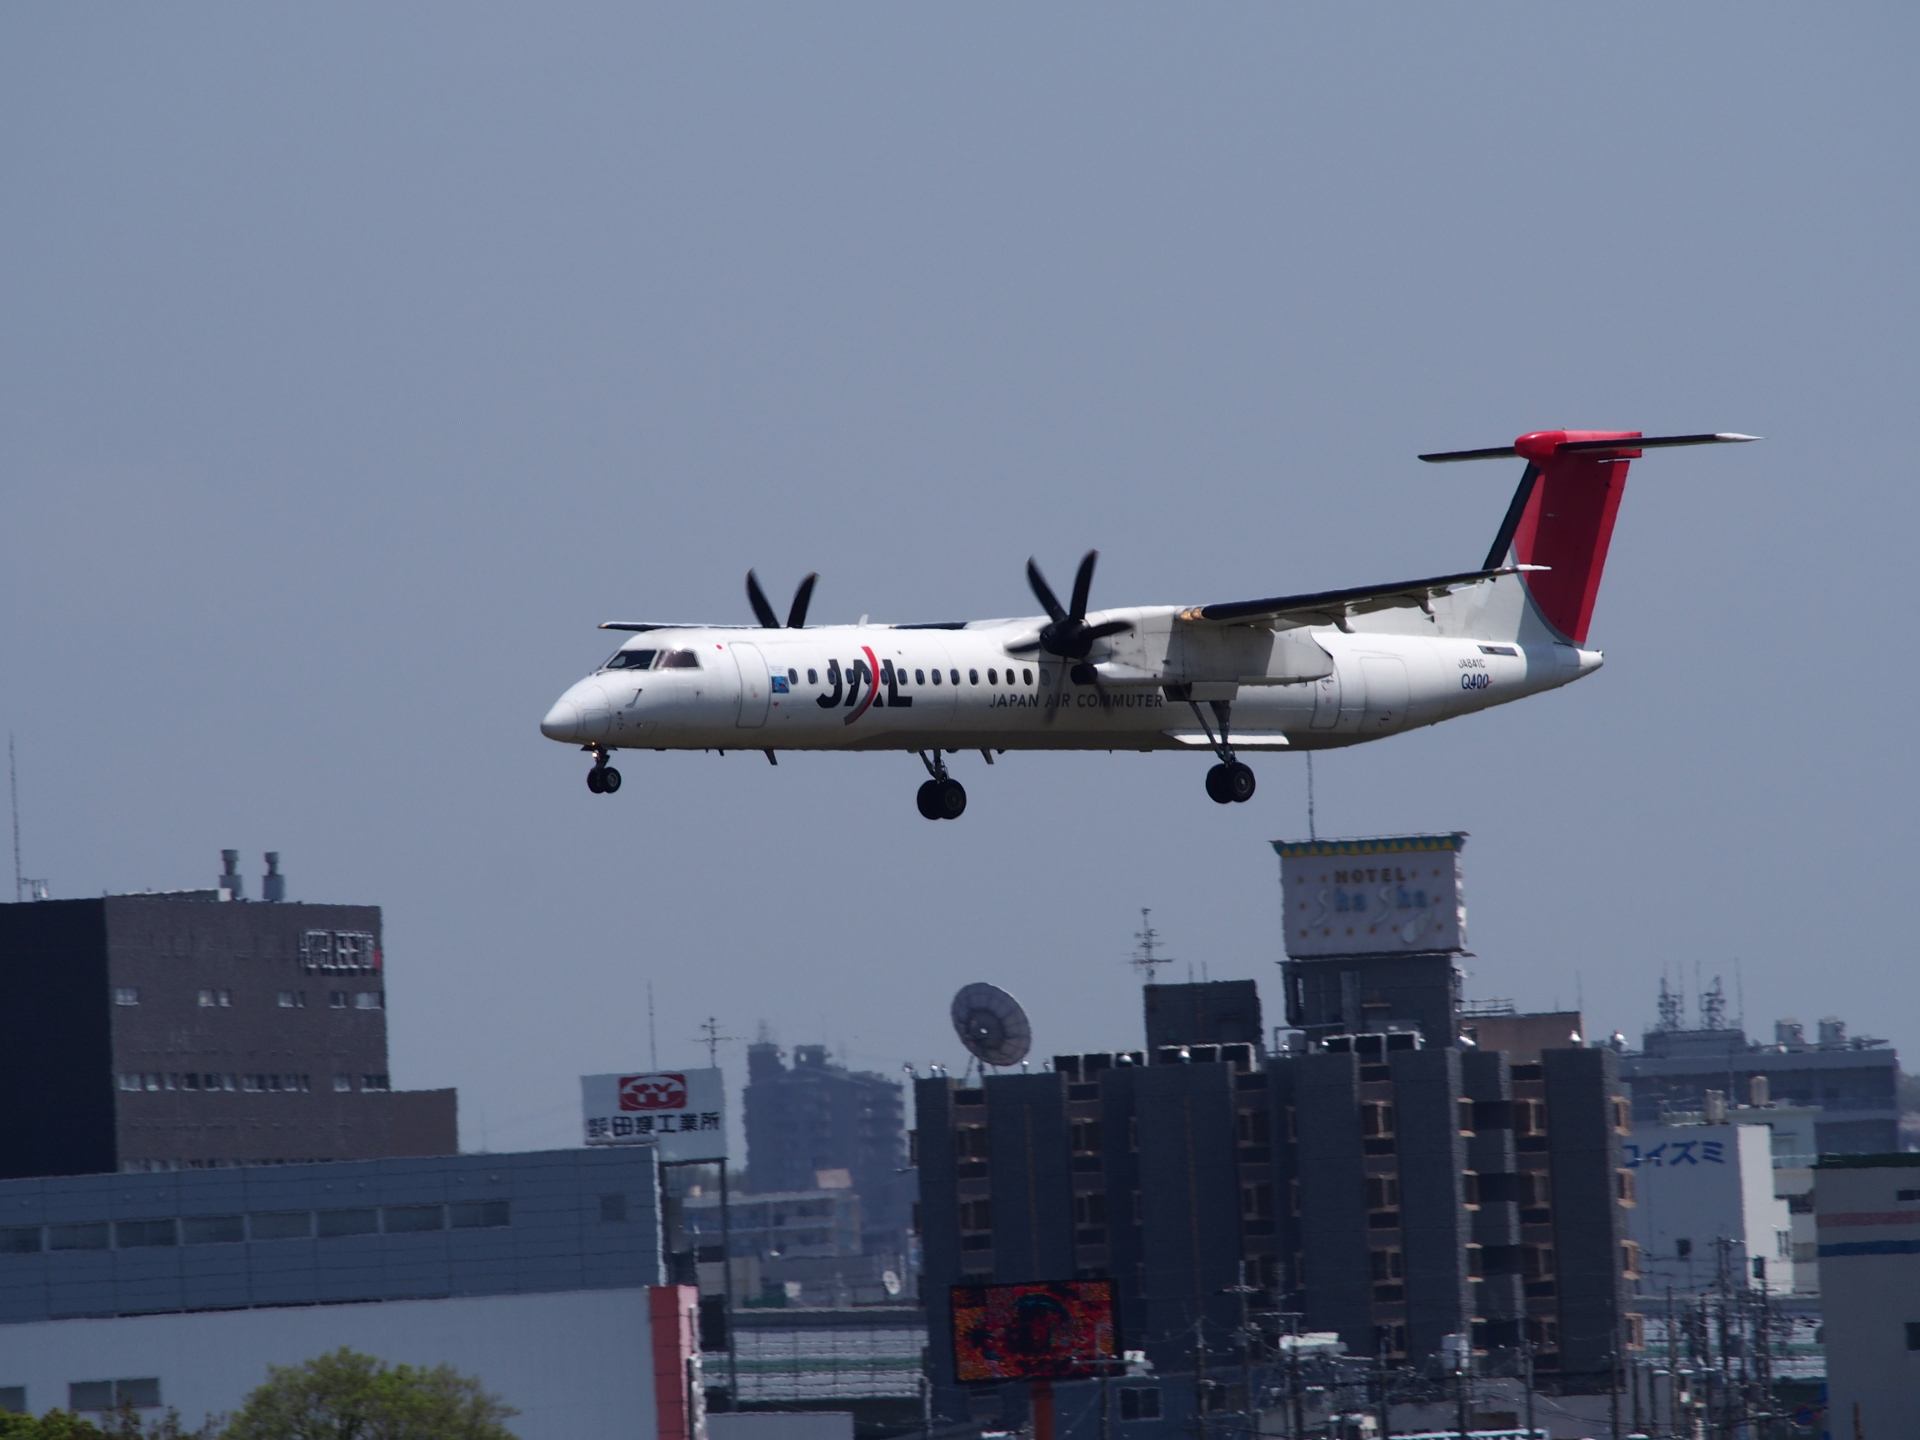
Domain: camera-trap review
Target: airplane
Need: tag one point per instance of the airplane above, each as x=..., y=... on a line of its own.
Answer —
x=1290, y=672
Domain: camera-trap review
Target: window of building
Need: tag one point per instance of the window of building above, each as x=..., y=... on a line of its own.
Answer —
x=1623, y=1187
x=281, y=1225
x=126, y=995
x=1622, y=1115
x=1913, y=1334
x=1543, y=1333
x=1142, y=1402
x=1383, y=1192
x=1630, y=1258
x=1085, y=1135
x=137, y=1234
x=479, y=1214
x=970, y=1142
x=1252, y=1127
x=212, y=1229
x=1536, y=1188
x=1529, y=1117
x=1090, y=1208
x=976, y=1215
x=91, y=1235
x=1376, y=1118
x=613, y=1209
x=20, y=1240
x=90, y=1395
x=412, y=1219
x=1476, y=1263
x=13, y=1399
x=293, y=999
x=1465, y=1117
x=342, y=1083
x=1536, y=1262
x=336, y=999
x=1256, y=1202
x=129, y=1081
x=374, y=1082
x=1390, y=1339
x=370, y=1000
x=1293, y=1196
x=1387, y=1264
x=334, y=1223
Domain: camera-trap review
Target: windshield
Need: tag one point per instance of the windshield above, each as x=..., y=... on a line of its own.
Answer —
x=631, y=660
x=679, y=660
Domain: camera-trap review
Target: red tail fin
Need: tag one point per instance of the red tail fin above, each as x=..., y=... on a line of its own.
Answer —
x=1566, y=524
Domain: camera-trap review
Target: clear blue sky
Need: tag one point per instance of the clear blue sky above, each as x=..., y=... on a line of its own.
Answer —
x=356, y=360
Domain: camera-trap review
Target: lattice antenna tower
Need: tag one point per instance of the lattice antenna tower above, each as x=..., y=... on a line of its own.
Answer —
x=711, y=1037
x=1713, y=1006
x=1672, y=1007
x=24, y=887
x=1146, y=947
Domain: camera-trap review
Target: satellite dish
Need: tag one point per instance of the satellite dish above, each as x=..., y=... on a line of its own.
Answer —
x=992, y=1025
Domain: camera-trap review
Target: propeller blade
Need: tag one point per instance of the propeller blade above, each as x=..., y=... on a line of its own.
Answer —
x=757, y=598
x=1082, y=585
x=1043, y=592
x=803, y=597
x=1106, y=628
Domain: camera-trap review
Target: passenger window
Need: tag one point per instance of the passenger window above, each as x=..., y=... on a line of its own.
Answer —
x=993, y=677
x=1026, y=676
x=630, y=660
x=793, y=677
x=936, y=677
x=679, y=660
x=920, y=677
x=973, y=675
x=955, y=675
x=813, y=676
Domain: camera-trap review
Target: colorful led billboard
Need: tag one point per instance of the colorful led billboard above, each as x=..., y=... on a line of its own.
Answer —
x=1052, y=1329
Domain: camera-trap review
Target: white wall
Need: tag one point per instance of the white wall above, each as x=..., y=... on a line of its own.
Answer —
x=577, y=1365
x=1705, y=1183
x=1869, y=1294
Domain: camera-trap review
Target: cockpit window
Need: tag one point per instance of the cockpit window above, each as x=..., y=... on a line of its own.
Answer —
x=679, y=660
x=631, y=660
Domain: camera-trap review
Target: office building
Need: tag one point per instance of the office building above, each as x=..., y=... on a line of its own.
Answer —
x=539, y=1273
x=197, y=1030
x=1705, y=1209
x=816, y=1117
x=1852, y=1080
x=1868, y=1209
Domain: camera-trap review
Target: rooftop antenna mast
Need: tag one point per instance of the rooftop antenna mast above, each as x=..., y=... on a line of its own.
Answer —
x=711, y=1037
x=23, y=887
x=1146, y=950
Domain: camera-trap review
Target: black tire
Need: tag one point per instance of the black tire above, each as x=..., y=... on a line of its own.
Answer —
x=1239, y=783
x=926, y=801
x=610, y=781
x=597, y=780
x=950, y=799
x=1217, y=786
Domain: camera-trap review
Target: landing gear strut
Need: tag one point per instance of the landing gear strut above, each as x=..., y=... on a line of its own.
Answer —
x=941, y=797
x=602, y=779
x=1230, y=782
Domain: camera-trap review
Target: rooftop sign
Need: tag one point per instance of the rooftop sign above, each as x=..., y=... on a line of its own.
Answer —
x=1393, y=894
x=683, y=1112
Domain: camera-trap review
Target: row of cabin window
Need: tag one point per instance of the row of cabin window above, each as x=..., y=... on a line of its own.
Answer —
x=920, y=676
x=216, y=999
x=134, y=1080
x=270, y=1225
x=690, y=660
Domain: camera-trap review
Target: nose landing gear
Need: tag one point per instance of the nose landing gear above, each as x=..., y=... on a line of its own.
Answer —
x=602, y=779
x=942, y=797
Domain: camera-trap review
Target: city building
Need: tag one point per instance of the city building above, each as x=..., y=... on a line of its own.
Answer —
x=1705, y=1206
x=1868, y=1211
x=197, y=1030
x=1853, y=1081
x=539, y=1273
x=816, y=1117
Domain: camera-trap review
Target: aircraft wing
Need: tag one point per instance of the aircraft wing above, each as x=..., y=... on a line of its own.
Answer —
x=1332, y=607
x=643, y=625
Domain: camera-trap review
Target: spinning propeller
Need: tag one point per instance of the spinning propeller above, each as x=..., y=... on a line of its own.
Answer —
x=1067, y=634
x=796, y=615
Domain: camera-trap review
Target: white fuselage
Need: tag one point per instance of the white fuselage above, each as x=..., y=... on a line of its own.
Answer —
x=814, y=688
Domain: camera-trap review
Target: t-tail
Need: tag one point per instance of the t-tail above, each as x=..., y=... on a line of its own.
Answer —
x=1561, y=519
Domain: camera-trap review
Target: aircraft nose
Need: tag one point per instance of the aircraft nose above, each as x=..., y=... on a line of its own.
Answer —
x=562, y=722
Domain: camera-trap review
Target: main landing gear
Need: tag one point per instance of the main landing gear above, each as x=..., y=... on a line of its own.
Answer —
x=602, y=779
x=1231, y=781
x=942, y=797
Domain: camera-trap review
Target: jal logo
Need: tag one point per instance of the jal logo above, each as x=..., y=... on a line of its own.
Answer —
x=653, y=1092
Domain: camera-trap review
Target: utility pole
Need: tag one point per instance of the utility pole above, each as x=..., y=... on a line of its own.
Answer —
x=1526, y=1360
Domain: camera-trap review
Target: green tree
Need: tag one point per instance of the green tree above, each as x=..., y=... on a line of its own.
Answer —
x=349, y=1396
x=54, y=1425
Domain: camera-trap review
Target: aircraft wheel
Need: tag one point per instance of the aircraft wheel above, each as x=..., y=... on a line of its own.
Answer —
x=1239, y=783
x=610, y=781
x=597, y=780
x=949, y=799
x=925, y=800
x=1217, y=786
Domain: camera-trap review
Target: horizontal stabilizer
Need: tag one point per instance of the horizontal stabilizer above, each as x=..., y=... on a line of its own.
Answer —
x=1623, y=448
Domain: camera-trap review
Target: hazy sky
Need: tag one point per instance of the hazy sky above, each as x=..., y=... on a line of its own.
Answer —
x=355, y=361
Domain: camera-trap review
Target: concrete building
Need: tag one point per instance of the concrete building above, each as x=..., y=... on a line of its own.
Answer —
x=1854, y=1082
x=1704, y=1207
x=540, y=1273
x=816, y=1117
x=1868, y=1211
x=196, y=1030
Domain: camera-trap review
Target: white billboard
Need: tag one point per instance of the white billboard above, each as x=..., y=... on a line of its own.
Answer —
x=683, y=1112
x=1397, y=895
